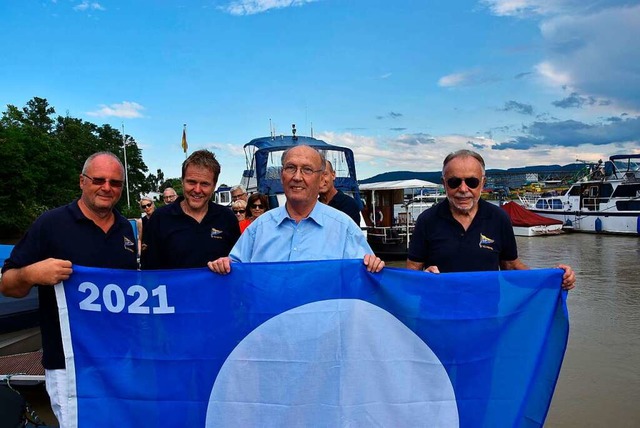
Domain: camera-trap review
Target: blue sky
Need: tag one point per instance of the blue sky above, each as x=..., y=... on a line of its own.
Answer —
x=402, y=83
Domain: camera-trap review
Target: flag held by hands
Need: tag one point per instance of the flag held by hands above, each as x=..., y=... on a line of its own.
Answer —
x=337, y=346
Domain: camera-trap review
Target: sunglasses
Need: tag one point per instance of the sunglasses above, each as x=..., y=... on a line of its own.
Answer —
x=145, y=206
x=455, y=182
x=256, y=207
x=239, y=211
x=99, y=181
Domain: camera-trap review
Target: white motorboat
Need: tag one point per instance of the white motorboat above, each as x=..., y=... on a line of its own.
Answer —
x=605, y=201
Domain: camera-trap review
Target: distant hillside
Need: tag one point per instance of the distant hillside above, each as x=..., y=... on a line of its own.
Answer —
x=546, y=171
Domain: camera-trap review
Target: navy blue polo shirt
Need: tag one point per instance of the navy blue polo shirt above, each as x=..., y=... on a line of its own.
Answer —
x=347, y=205
x=65, y=233
x=439, y=240
x=175, y=240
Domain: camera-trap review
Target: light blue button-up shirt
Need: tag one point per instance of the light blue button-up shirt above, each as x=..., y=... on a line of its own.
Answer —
x=325, y=234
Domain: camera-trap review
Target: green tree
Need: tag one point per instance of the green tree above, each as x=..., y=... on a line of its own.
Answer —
x=42, y=157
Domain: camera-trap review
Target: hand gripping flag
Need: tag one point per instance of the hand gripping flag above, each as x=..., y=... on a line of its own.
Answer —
x=321, y=344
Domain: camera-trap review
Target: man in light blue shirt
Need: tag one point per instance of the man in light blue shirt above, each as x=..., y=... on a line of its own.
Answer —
x=303, y=229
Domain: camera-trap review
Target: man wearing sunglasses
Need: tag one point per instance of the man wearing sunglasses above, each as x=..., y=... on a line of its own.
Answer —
x=192, y=230
x=304, y=228
x=464, y=233
x=147, y=207
x=87, y=232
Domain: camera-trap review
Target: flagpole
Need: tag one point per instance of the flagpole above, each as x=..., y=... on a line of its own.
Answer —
x=126, y=169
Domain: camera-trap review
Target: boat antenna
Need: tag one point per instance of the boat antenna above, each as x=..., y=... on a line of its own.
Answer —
x=293, y=131
x=311, y=129
x=271, y=131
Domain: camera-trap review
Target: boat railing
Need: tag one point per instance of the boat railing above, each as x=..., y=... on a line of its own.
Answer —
x=392, y=234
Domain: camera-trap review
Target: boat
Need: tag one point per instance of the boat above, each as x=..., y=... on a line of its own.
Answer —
x=606, y=200
x=527, y=223
x=17, y=314
x=263, y=165
x=222, y=196
x=390, y=211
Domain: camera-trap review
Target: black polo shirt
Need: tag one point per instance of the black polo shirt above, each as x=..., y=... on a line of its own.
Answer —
x=65, y=233
x=347, y=205
x=175, y=240
x=439, y=240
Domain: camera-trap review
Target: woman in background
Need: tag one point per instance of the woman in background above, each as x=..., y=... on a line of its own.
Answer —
x=258, y=204
x=239, y=208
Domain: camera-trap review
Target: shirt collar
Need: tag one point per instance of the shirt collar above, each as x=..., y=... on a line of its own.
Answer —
x=314, y=215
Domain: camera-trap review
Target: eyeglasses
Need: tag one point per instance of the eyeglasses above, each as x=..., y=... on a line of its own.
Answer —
x=239, y=211
x=304, y=170
x=145, y=206
x=455, y=182
x=256, y=207
x=99, y=181
x=239, y=195
x=169, y=197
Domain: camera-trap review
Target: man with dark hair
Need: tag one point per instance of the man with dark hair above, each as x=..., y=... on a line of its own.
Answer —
x=86, y=232
x=193, y=229
x=336, y=198
x=464, y=232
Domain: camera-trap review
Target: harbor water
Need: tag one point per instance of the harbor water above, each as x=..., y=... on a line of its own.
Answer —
x=599, y=384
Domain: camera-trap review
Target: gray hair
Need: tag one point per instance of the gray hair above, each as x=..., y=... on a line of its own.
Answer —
x=171, y=190
x=91, y=158
x=239, y=187
x=464, y=153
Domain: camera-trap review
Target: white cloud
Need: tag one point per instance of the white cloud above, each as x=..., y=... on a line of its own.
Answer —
x=252, y=7
x=85, y=5
x=450, y=80
x=599, y=53
x=592, y=46
x=553, y=76
x=414, y=152
x=126, y=109
x=523, y=8
x=465, y=78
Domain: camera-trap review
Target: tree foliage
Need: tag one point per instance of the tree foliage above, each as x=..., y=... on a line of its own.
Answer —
x=42, y=157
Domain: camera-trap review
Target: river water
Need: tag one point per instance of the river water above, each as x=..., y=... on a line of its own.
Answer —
x=599, y=384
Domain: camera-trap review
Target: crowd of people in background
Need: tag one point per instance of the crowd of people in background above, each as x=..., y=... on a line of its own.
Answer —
x=317, y=222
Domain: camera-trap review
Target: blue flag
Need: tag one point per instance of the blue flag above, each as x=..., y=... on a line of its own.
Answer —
x=321, y=344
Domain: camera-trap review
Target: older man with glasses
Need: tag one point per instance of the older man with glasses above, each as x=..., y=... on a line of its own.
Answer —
x=465, y=233
x=169, y=195
x=304, y=228
x=239, y=193
x=87, y=232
